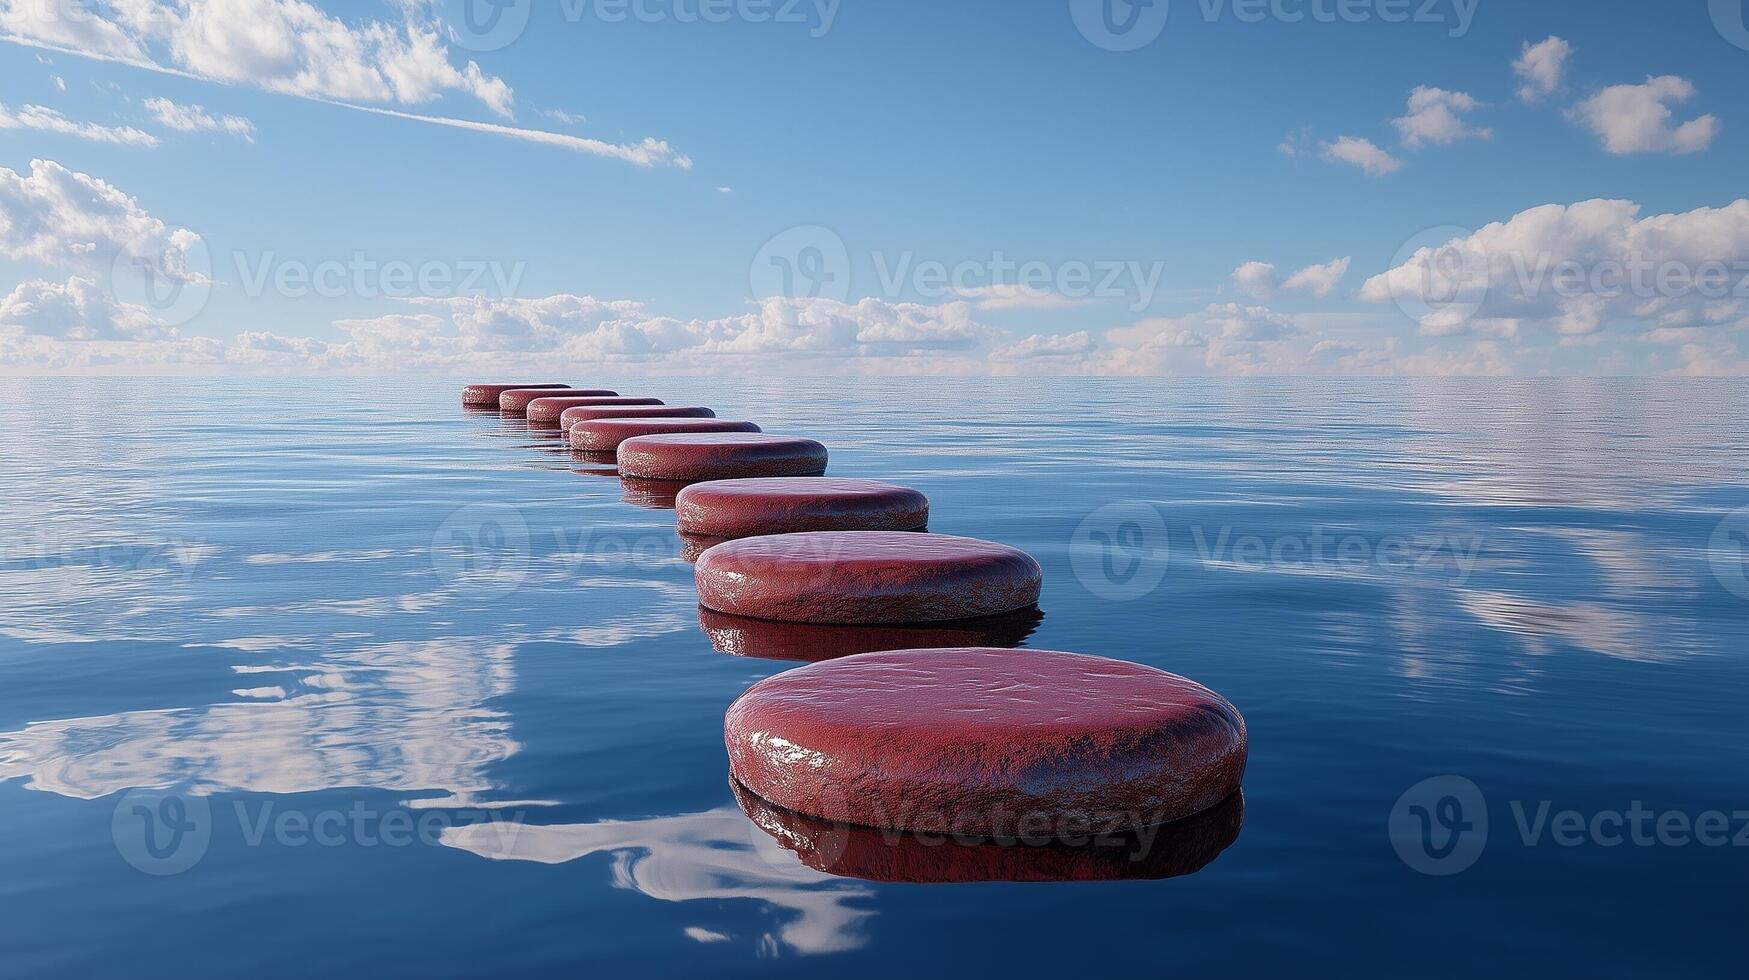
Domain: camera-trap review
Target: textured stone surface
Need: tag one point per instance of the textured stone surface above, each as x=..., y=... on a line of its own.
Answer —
x=546, y=411
x=786, y=505
x=569, y=418
x=515, y=400
x=720, y=456
x=850, y=851
x=605, y=435
x=986, y=741
x=486, y=396
x=741, y=636
x=865, y=577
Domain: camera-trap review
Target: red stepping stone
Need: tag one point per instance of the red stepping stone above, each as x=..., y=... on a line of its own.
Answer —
x=515, y=401
x=740, y=636
x=865, y=577
x=605, y=435
x=546, y=411
x=486, y=396
x=983, y=741
x=786, y=505
x=569, y=418
x=692, y=457
x=941, y=857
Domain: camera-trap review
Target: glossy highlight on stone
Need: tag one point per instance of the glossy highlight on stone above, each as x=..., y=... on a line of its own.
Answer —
x=740, y=636
x=486, y=395
x=569, y=418
x=986, y=741
x=700, y=456
x=943, y=857
x=605, y=435
x=546, y=411
x=515, y=400
x=788, y=505
x=865, y=577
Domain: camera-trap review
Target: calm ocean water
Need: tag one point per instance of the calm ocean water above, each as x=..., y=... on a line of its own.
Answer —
x=330, y=675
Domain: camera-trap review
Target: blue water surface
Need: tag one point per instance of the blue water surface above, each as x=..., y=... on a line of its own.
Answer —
x=314, y=675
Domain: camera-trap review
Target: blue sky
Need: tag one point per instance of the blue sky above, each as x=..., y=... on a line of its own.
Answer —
x=906, y=134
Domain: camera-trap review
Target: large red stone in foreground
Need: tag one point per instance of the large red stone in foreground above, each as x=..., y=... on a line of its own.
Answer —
x=719, y=456
x=546, y=411
x=569, y=418
x=984, y=741
x=924, y=857
x=605, y=435
x=515, y=400
x=865, y=577
x=787, y=505
x=486, y=396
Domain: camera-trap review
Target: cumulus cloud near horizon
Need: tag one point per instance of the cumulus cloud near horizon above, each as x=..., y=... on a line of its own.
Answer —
x=1575, y=271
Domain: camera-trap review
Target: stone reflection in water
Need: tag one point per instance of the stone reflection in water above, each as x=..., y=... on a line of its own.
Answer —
x=716, y=855
x=650, y=494
x=1169, y=851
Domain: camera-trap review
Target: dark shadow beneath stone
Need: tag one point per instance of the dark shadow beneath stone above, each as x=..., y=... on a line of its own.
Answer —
x=850, y=851
x=814, y=642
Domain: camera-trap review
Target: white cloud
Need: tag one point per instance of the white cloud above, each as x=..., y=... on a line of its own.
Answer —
x=1319, y=280
x=60, y=83
x=584, y=330
x=1014, y=296
x=1361, y=153
x=195, y=118
x=70, y=220
x=78, y=309
x=1046, y=346
x=1578, y=269
x=294, y=48
x=49, y=120
x=1260, y=279
x=1435, y=116
x=1638, y=118
x=1257, y=279
x=287, y=46
x=1540, y=67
